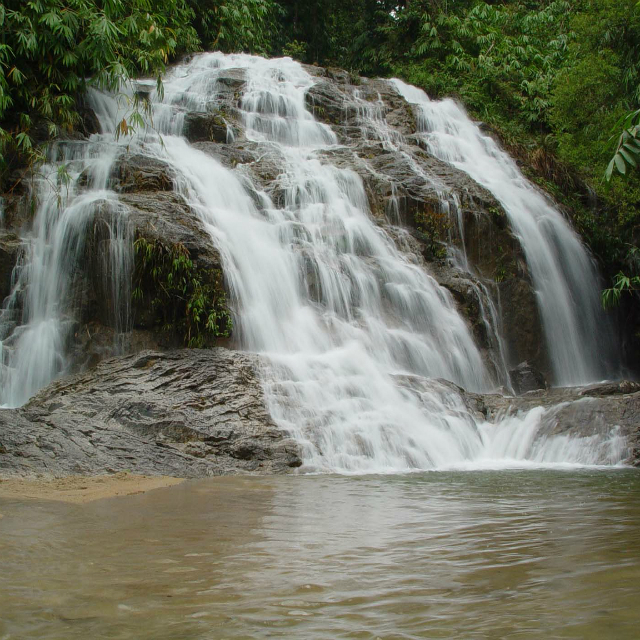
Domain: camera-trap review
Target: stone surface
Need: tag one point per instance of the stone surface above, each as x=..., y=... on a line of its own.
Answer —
x=526, y=378
x=10, y=245
x=138, y=173
x=197, y=413
x=583, y=411
x=188, y=413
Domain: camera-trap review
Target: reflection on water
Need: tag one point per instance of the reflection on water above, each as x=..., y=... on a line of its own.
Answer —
x=511, y=554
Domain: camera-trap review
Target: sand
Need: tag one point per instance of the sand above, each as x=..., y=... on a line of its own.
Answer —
x=81, y=489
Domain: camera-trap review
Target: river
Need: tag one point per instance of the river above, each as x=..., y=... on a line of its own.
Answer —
x=527, y=553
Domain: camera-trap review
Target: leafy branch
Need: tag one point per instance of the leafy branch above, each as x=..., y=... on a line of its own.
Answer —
x=627, y=151
x=182, y=296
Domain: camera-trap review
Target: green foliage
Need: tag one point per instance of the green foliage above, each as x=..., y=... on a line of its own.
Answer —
x=596, y=88
x=356, y=35
x=50, y=49
x=237, y=25
x=188, y=302
x=501, y=56
x=434, y=227
x=621, y=284
x=628, y=147
x=295, y=49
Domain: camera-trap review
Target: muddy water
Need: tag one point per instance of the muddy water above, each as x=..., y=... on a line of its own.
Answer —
x=504, y=554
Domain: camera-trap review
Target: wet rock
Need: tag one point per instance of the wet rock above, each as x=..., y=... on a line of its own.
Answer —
x=156, y=216
x=17, y=207
x=611, y=389
x=167, y=217
x=89, y=123
x=329, y=104
x=10, y=247
x=188, y=413
x=522, y=324
x=138, y=173
x=209, y=127
x=526, y=378
x=233, y=79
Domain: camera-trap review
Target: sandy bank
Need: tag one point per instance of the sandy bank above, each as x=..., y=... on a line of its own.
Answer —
x=81, y=489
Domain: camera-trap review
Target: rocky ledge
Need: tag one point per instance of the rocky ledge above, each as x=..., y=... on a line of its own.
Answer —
x=592, y=411
x=198, y=413
x=187, y=413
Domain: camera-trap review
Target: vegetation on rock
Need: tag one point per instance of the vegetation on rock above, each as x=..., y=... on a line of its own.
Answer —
x=434, y=227
x=181, y=297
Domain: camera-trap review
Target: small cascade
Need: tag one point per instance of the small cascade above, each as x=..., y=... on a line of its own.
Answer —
x=374, y=127
x=580, y=341
x=68, y=191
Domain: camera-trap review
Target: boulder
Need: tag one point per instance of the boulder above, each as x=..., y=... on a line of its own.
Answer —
x=187, y=413
x=526, y=378
x=138, y=173
x=208, y=127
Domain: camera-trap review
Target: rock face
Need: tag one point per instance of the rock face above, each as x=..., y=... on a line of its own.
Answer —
x=198, y=413
x=525, y=378
x=187, y=413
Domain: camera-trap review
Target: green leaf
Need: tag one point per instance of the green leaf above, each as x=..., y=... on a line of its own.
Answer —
x=620, y=164
x=628, y=157
x=609, y=172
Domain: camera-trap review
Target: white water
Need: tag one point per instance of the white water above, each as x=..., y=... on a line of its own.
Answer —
x=579, y=340
x=353, y=331
x=35, y=352
x=322, y=290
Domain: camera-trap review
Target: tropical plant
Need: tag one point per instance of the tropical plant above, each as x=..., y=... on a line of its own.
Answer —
x=237, y=25
x=628, y=146
x=187, y=300
x=50, y=50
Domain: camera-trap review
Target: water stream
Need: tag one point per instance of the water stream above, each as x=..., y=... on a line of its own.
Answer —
x=68, y=191
x=580, y=340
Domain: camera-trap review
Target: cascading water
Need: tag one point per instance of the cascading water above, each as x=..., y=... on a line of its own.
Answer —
x=580, y=341
x=374, y=127
x=35, y=345
x=354, y=334
x=321, y=289
x=324, y=293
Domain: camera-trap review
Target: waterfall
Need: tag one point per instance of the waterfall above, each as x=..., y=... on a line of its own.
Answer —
x=357, y=338
x=579, y=339
x=34, y=347
x=319, y=288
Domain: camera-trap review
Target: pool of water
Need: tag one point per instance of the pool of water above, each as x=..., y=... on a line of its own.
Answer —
x=485, y=554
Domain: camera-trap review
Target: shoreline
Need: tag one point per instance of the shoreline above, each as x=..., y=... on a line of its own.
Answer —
x=83, y=489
